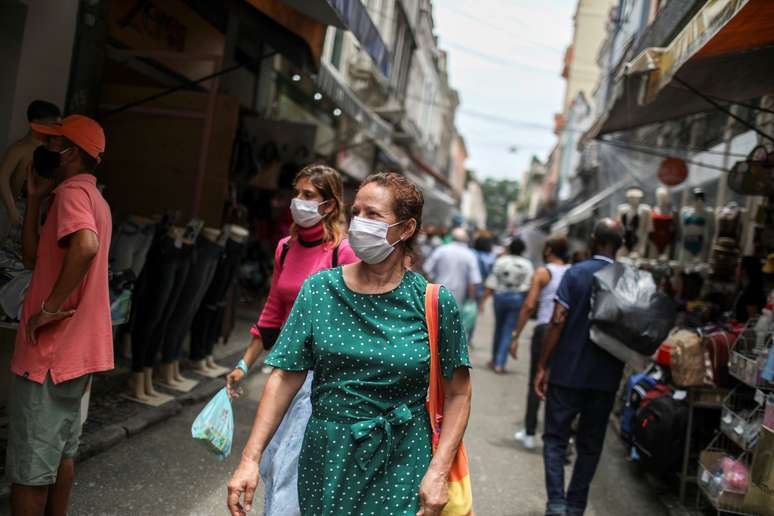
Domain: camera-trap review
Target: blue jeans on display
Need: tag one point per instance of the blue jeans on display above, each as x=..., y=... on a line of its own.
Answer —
x=279, y=462
x=507, y=306
x=563, y=404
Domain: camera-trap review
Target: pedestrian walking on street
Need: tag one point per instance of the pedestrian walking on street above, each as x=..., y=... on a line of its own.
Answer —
x=509, y=281
x=361, y=327
x=316, y=243
x=482, y=248
x=540, y=298
x=577, y=378
x=454, y=266
x=65, y=333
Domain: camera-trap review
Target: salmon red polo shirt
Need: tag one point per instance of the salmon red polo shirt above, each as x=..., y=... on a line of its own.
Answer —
x=83, y=343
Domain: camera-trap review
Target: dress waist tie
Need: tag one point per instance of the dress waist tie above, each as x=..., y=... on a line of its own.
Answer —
x=375, y=437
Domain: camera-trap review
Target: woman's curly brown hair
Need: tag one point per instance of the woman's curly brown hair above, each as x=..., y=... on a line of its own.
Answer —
x=408, y=200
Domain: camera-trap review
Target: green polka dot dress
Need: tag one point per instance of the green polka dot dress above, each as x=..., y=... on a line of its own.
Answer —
x=367, y=444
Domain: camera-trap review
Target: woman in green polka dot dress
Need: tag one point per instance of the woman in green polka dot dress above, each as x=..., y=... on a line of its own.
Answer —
x=361, y=328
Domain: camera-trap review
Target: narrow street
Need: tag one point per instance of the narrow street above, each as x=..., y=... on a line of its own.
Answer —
x=163, y=471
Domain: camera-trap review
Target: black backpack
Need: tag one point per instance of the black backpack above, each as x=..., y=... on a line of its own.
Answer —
x=658, y=433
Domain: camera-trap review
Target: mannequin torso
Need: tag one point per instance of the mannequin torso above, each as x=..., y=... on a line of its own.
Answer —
x=662, y=234
x=696, y=222
x=636, y=220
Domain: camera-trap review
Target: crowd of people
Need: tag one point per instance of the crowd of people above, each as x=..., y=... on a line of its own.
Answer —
x=342, y=426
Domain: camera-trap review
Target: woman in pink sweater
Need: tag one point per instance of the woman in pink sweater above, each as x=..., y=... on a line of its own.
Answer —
x=315, y=243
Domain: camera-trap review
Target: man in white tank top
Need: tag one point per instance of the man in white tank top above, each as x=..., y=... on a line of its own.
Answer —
x=540, y=298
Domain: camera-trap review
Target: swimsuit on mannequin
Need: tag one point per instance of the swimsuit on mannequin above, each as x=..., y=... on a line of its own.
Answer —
x=662, y=235
x=697, y=221
x=636, y=220
x=725, y=250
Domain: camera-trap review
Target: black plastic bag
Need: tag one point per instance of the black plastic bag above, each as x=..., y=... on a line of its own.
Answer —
x=627, y=306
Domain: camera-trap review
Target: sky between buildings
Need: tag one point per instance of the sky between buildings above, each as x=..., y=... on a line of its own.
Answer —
x=505, y=59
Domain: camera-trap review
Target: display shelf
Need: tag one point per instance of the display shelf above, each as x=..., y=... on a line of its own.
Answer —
x=741, y=418
x=748, y=358
x=723, y=476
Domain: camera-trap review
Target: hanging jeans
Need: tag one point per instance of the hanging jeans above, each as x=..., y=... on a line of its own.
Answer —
x=200, y=275
x=563, y=404
x=162, y=283
x=507, y=306
x=130, y=245
x=208, y=320
x=533, y=402
x=279, y=462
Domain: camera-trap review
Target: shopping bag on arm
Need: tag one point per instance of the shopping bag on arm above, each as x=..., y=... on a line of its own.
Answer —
x=630, y=317
x=460, y=494
x=214, y=426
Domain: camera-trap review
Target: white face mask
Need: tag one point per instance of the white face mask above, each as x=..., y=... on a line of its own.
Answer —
x=368, y=239
x=305, y=213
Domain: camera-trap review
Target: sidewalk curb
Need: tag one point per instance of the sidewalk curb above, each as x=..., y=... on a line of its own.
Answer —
x=111, y=435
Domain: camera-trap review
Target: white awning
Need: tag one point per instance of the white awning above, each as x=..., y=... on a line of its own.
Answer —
x=585, y=209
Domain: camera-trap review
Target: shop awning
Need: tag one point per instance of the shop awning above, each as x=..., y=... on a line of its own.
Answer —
x=310, y=30
x=351, y=15
x=333, y=85
x=585, y=209
x=725, y=51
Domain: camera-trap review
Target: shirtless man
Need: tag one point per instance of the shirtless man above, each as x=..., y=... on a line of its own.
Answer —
x=13, y=168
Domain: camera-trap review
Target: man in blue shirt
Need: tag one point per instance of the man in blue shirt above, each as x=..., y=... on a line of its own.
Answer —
x=577, y=378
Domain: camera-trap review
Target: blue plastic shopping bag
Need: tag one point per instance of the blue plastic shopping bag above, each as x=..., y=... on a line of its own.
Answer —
x=469, y=315
x=214, y=426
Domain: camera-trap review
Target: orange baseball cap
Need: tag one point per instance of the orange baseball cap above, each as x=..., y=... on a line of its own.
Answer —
x=81, y=130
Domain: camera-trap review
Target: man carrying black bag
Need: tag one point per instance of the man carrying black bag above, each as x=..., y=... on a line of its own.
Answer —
x=577, y=378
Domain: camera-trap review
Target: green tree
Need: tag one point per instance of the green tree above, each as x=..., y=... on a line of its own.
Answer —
x=498, y=194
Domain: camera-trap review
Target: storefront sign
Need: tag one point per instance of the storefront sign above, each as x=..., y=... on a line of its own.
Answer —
x=673, y=171
x=166, y=26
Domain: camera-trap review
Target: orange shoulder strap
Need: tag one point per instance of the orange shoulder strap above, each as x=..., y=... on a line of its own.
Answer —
x=435, y=392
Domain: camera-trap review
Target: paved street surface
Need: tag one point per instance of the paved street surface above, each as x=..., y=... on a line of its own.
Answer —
x=163, y=471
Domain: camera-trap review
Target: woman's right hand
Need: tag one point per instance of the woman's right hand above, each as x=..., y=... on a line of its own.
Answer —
x=232, y=380
x=242, y=486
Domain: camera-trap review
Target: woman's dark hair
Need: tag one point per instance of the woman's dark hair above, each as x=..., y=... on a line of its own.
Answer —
x=558, y=246
x=408, y=200
x=483, y=244
x=516, y=247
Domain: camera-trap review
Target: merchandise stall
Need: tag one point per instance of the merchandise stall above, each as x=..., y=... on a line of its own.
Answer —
x=708, y=389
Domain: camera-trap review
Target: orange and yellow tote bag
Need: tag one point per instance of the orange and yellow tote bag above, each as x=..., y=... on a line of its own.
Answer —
x=460, y=494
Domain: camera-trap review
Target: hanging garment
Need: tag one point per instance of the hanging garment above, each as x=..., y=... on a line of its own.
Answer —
x=730, y=222
x=631, y=224
x=693, y=232
x=663, y=233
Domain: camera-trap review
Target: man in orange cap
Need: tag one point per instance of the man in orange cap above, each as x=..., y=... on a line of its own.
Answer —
x=65, y=333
